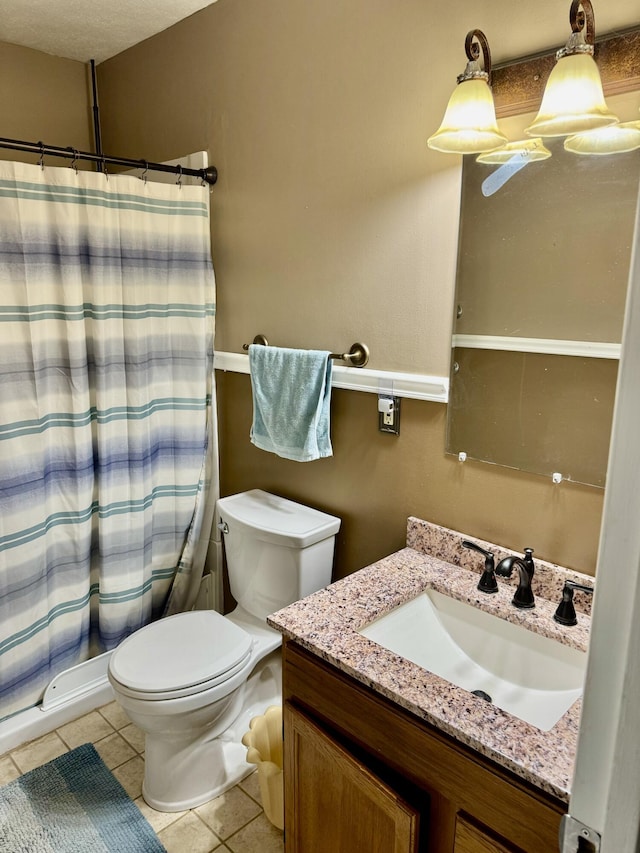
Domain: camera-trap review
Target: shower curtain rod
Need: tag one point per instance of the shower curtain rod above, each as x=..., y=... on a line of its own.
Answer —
x=209, y=175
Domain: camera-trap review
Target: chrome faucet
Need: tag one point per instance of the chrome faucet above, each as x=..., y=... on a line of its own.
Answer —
x=523, y=597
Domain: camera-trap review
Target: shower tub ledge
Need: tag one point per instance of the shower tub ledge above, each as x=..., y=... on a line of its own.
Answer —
x=69, y=695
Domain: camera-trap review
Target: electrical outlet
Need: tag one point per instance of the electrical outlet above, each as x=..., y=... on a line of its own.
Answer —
x=389, y=414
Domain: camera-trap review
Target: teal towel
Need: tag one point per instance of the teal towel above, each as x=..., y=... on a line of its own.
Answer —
x=291, y=399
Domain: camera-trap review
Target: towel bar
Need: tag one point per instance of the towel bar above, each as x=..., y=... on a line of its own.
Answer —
x=357, y=356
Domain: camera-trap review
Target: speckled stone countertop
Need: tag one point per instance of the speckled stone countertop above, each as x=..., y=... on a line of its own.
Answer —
x=327, y=623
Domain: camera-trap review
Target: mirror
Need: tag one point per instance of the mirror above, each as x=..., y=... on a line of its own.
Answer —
x=543, y=263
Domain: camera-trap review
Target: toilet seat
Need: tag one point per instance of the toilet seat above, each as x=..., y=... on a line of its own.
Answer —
x=180, y=656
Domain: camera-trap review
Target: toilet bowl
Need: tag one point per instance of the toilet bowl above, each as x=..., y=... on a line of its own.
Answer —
x=193, y=681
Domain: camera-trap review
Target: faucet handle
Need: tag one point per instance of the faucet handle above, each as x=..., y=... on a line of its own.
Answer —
x=487, y=582
x=566, y=612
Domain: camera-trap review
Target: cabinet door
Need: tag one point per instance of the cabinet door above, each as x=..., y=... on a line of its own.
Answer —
x=472, y=838
x=334, y=803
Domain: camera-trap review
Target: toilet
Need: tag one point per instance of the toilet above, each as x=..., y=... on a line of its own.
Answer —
x=193, y=681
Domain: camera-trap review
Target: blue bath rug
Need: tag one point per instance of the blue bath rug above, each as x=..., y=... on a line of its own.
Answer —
x=71, y=805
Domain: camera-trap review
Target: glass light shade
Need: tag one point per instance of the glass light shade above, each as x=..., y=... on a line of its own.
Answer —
x=615, y=139
x=469, y=125
x=573, y=99
x=531, y=150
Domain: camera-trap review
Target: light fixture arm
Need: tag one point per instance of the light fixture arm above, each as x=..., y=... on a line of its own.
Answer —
x=583, y=30
x=579, y=17
x=476, y=42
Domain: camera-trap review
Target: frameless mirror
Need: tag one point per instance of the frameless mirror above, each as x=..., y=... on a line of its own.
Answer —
x=543, y=264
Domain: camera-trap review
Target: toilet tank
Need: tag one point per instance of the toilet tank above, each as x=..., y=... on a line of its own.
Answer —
x=277, y=551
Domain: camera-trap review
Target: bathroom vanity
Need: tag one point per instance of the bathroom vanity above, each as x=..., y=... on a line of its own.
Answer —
x=383, y=755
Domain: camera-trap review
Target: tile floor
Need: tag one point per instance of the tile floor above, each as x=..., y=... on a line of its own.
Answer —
x=234, y=822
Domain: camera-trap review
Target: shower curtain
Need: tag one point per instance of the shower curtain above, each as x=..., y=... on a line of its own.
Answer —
x=106, y=352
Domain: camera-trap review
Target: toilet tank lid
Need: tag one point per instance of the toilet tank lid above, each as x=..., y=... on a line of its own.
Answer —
x=278, y=519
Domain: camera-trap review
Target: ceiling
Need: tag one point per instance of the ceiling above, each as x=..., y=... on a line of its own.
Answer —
x=100, y=29
x=89, y=29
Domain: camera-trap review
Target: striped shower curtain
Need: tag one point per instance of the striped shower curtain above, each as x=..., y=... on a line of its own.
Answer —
x=106, y=349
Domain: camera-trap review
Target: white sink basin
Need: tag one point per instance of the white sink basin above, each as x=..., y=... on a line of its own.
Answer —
x=530, y=676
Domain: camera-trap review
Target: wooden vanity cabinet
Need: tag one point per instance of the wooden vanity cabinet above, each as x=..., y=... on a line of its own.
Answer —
x=362, y=775
x=339, y=803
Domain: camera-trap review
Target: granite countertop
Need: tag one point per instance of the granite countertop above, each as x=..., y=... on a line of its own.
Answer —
x=327, y=623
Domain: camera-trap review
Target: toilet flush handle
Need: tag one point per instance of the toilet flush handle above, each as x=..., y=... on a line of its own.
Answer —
x=222, y=525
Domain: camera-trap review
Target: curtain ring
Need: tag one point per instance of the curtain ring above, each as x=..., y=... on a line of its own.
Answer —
x=41, y=160
x=74, y=162
x=104, y=167
x=179, y=181
x=143, y=176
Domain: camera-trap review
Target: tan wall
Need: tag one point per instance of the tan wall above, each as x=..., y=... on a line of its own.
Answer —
x=374, y=481
x=332, y=222
x=44, y=98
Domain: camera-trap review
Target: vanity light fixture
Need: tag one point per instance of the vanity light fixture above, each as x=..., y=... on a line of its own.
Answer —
x=531, y=150
x=615, y=139
x=469, y=125
x=573, y=99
